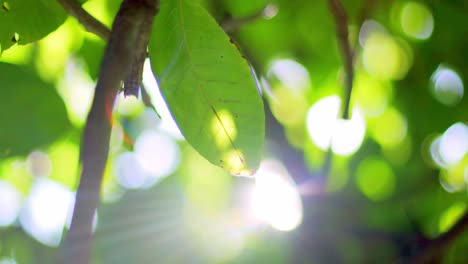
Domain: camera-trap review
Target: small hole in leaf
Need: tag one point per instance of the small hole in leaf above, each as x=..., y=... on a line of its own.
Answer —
x=15, y=37
x=6, y=6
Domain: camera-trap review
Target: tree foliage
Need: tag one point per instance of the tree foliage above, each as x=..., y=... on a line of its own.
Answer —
x=250, y=87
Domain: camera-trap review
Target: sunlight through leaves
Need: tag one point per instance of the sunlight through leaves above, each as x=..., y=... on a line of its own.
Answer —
x=10, y=203
x=275, y=198
x=325, y=129
x=416, y=20
x=46, y=211
x=447, y=86
x=375, y=179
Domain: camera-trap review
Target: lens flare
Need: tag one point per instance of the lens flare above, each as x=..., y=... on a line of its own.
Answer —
x=275, y=198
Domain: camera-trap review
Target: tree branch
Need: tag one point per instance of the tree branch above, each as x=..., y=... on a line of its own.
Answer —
x=132, y=83
x=436, y=247
x=120, y=53
x=342, y=33
x=89, y=22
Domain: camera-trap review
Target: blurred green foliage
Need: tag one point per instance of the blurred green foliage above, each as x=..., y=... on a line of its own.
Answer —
x=406, y=180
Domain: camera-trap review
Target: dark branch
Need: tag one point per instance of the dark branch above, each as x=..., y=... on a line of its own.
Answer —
x=89, y=22
x=133, y=81
x=116, y=65
x=436, y=247
x=342, y=33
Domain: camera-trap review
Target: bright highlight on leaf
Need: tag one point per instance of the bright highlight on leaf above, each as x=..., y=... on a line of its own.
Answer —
x=223, y=128
x=208, y=87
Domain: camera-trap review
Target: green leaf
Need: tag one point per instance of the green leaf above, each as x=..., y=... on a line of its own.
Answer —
x=208, y=87
x=26, y=21
x=31, y=112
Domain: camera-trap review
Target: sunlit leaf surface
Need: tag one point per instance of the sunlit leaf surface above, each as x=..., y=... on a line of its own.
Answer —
x=208, y=86
x=31, y=112
x=26, y=21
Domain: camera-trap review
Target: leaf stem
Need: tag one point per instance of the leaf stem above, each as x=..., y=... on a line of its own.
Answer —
x=341, y=20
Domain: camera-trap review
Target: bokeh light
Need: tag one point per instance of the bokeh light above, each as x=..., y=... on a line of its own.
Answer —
x=65, y=161
x=375, y=179
x=10, y=203
x=416, y=20
x=290, y=73
x=321, y=119
x=454, y=144
x=15, y=171
x=54, y=50
x=453, y=178
x=39, y=164
x=129, y=105
x=400, y=153
x=367, y=28
x=349, y=134
x=270, y=11
x=275, y=198
x=386, y=57
x=371, y=94
x=76, y=89
x=288, y=106
x=289, y=81
x=450, y=216
x=128, y=171
x=7, y=260
x=390, y=128
x=325, y=129
x=46, y=211
x=155, y=156
x=435, y=153
x=447, y=86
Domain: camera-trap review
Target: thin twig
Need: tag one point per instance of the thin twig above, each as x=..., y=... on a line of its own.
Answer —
x=436, y=247
x=116, y=65
x=89, y=22
x=231, y=24
x=341, y=20
x=147, y=101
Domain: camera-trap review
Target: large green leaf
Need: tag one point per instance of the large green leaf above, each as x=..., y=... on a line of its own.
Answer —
x=208, y=87
x=26, y=21
x=31, y=112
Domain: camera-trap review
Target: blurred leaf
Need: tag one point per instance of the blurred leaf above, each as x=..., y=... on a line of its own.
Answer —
x=26, y=21
x=208, y=86
x=31, y=112
x=92, y=51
